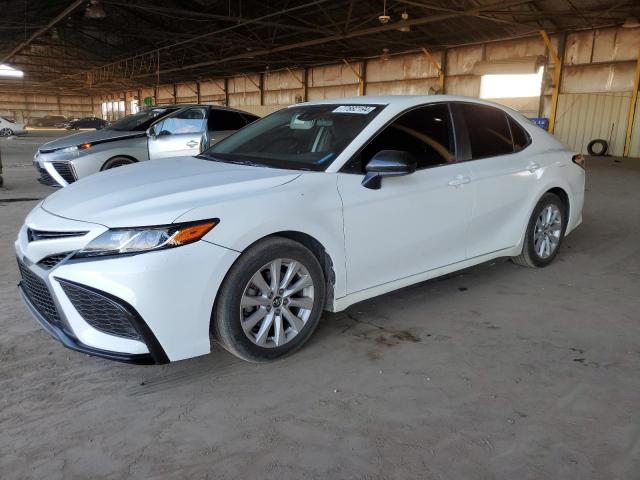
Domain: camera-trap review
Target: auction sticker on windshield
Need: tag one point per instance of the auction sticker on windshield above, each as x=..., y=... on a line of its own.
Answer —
x=359, y=109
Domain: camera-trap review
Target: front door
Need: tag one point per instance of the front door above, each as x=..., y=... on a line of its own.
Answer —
x=413, y=223
x=179, y=134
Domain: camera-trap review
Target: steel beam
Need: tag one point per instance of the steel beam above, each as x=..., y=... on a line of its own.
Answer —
x=45, y=29
x=632, y=108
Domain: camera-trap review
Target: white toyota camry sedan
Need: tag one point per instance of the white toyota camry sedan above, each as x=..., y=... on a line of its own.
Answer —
x=315, y=207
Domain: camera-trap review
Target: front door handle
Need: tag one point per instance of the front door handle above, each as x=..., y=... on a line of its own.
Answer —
x=458, y=180
x=192, y=144
x=532, y=167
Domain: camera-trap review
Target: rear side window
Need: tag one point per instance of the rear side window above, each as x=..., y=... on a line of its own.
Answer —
x=488, y=129
x=225, y=120
x=519, y=135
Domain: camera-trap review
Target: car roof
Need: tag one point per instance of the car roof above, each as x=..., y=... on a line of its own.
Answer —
x=189, y=105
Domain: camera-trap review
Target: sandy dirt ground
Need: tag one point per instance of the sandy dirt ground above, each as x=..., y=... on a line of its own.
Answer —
x=497, y=372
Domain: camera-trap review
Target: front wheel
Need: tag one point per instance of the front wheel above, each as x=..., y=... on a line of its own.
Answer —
x=117, y=162
x=6, y=132
x=545, y=232
x=270, y=302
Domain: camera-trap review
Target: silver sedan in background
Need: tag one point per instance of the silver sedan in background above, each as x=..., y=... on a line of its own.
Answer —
x=159, y=132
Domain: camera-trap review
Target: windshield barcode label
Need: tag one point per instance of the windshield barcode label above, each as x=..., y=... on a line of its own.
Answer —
x=359, y=109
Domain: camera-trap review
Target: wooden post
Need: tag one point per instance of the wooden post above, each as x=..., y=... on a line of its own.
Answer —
x=198, y=91
x=632, y=108
x=305, y=86
x=226, y=91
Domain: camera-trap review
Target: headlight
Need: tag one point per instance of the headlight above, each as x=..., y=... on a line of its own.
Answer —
x=69, y=149
x=119, y=241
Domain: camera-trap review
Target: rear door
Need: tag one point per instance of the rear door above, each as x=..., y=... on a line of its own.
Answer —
x=503, y=177
x=179, y=134
x=222, y=123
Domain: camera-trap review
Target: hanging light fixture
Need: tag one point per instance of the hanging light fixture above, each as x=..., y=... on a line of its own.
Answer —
x=631, y=22
x=95, y=10
x=384, y=18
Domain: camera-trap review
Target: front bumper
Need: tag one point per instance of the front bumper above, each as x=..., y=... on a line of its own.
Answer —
x=167, y=295
x=71, y=342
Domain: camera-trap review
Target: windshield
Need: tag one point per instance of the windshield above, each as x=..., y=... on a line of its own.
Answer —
x=299, y=138
x=140, y=121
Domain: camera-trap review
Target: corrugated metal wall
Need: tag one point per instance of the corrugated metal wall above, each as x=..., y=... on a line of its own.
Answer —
x=583, y=117
x=23, y=107
x=598, y=73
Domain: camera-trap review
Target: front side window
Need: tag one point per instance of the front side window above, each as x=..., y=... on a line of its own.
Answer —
x=192, y=120
x=488, y=130
x=425, y=132
x=140, y=121
x=300, y=138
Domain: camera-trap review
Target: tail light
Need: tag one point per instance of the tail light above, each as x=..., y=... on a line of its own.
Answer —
x=579, y=160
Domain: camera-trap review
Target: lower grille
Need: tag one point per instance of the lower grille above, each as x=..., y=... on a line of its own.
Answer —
x=45, y=178
x=38, y=293
x=100, y=311
x=65, y=170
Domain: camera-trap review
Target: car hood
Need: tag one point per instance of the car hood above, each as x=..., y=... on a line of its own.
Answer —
x=88, y=137
x=159, y=191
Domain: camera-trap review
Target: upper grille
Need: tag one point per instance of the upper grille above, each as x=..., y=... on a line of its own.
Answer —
x=101, y=312
x=52, y=260
x=65, y=170
x=35, y=235
x=38, y=293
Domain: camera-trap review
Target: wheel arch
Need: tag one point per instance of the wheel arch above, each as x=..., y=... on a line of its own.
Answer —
x=314, y=245
x=564, y=196
x=134, y=159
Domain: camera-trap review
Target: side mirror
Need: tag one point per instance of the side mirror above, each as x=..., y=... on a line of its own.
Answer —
x=151, y=132
x=388, y=163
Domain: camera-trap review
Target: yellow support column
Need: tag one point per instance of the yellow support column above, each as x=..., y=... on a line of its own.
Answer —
x=632, y=108
x=439, y=69
x=557, y=75
x=360, y=76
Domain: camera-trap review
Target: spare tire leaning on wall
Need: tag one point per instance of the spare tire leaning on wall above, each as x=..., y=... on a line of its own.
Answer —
x=598, y=147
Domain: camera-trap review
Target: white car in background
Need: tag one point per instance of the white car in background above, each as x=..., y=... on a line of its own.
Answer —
x=314, y=207
x=10, y=127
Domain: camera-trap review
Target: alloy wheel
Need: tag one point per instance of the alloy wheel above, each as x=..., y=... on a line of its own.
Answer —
x=6, y=132
x=277, y=303
x=547, y=231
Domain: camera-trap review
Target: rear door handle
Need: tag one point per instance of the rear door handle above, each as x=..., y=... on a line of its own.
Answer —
x=192, y=144
x=458, y=180
x=532, y=167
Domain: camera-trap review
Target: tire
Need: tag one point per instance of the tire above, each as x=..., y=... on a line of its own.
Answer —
x=116, y=162
x=259, y=342
x=534, y=237
x=6, y=132
x=599, y=151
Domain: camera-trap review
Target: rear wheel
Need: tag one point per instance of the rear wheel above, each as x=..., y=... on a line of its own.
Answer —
x=117, y=162
x=544, y=233
x=6, y=132
x=271, y=301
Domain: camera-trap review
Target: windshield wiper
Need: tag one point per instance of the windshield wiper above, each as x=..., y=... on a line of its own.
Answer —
x=248, y=163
